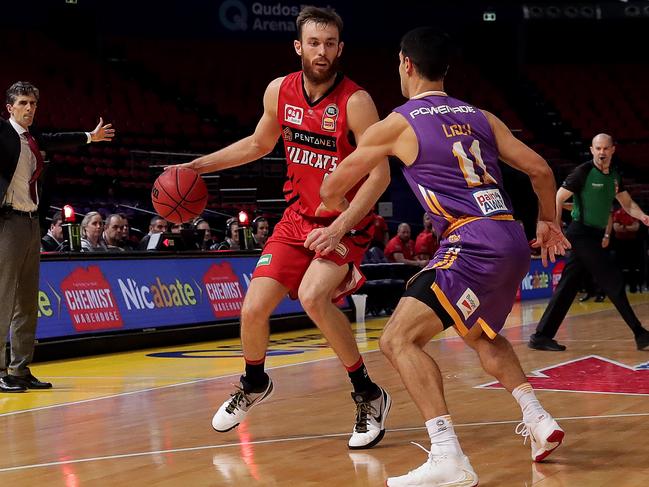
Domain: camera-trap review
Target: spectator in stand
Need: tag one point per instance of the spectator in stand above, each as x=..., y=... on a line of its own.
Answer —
x=401, y=248
x=176, y=227
x=53, y=240
x=201, y=224
x=426, y=243
x=92, y=227
x=260, y=232
x=628, y=246
x=381, y=237
x=115, y=232
x=231, y=241
x=156, y=225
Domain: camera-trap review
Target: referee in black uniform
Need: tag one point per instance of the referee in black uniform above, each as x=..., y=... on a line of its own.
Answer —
x=594, y=185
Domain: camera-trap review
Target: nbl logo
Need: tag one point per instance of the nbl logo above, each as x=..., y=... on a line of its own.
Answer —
x=329, y=118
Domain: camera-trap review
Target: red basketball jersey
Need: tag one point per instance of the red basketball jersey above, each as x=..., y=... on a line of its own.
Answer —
x=316, y=138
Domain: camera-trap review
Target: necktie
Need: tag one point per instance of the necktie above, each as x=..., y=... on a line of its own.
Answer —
x=39, y=166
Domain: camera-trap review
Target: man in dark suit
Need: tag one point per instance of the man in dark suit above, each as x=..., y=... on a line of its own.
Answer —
x=53, y=240
x=21, y=164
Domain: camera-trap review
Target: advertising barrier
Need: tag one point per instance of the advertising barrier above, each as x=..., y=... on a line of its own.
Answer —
x=102, y=295
x=540, y=282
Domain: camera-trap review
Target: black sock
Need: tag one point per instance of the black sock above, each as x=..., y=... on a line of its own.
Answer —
x=362, y=382
x=255, y=379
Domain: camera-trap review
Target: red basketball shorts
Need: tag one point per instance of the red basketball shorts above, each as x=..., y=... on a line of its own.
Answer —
x=286, y=260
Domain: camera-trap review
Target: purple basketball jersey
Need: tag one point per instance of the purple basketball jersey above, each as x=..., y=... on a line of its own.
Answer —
x=483, y=253
x=456, y=173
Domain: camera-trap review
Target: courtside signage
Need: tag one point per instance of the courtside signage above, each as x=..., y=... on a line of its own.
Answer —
x=96, y=296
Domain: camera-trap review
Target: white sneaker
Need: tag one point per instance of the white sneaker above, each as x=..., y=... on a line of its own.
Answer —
x=234, y=410
x=546, y=435
x=440, y=470
x=370, y=420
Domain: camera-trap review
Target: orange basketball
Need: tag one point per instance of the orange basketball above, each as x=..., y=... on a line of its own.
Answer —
x=179, y=194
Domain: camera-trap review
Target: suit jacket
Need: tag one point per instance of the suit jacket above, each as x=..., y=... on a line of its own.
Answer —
x=10, y=149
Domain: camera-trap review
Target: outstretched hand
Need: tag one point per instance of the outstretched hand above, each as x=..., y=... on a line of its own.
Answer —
x=102, y=132
x=551, y=241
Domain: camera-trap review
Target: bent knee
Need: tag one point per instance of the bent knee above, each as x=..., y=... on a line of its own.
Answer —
x=312, y=301
x=394, y=340
x=253, y=312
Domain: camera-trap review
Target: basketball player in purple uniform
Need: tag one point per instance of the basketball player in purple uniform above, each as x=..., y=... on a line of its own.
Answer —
x=450, y=152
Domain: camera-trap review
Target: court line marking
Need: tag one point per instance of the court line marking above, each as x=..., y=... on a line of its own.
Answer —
x=198, y=381
x=289, y=439
x=150, y=389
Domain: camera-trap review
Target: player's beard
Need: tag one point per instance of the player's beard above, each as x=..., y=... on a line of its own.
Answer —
x=319, y=77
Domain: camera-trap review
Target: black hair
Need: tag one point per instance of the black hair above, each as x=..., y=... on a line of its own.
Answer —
x=228, y=226
x=57, y=217
x=429, y=50
x=255, y=223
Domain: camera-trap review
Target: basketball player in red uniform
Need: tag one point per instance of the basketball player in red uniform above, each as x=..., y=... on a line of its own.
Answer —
x=317, y=111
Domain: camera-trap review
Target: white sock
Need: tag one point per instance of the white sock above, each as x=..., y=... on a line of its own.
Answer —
x=530, y=405
x=442, y=436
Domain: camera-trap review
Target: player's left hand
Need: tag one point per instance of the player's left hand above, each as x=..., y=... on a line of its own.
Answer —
x=323, y=240
x=102, y=132
x=551, y=240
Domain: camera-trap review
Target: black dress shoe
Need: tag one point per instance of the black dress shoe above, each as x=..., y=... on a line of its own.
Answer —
x=600, y=298
x=642, y=340
x=27, y=381
x=584, y=298
x=540, y=342
x=8, y=387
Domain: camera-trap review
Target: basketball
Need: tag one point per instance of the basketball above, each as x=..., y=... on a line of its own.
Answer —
x=179, y=194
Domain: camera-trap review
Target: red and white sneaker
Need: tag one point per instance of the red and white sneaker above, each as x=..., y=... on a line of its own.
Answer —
x=545, y=432
x=440, y=470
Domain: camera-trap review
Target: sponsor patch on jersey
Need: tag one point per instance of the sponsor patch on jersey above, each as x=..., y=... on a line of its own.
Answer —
x=264, y=259
x=293, y=114
x=311, y=139
x=490, y=201
x=341, y=249
x=468, y=303
x=329, y=117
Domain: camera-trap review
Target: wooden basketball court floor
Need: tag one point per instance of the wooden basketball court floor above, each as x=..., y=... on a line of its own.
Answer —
x=143, y=418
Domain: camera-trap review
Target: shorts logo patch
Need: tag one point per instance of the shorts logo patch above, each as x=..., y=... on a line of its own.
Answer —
x=490, y=201
x=341, y=249
x=453, y=238
x=468, y=303
x=264, y=260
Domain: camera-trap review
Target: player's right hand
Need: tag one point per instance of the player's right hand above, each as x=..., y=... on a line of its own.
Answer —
x=189, y=165
x=551, y=240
